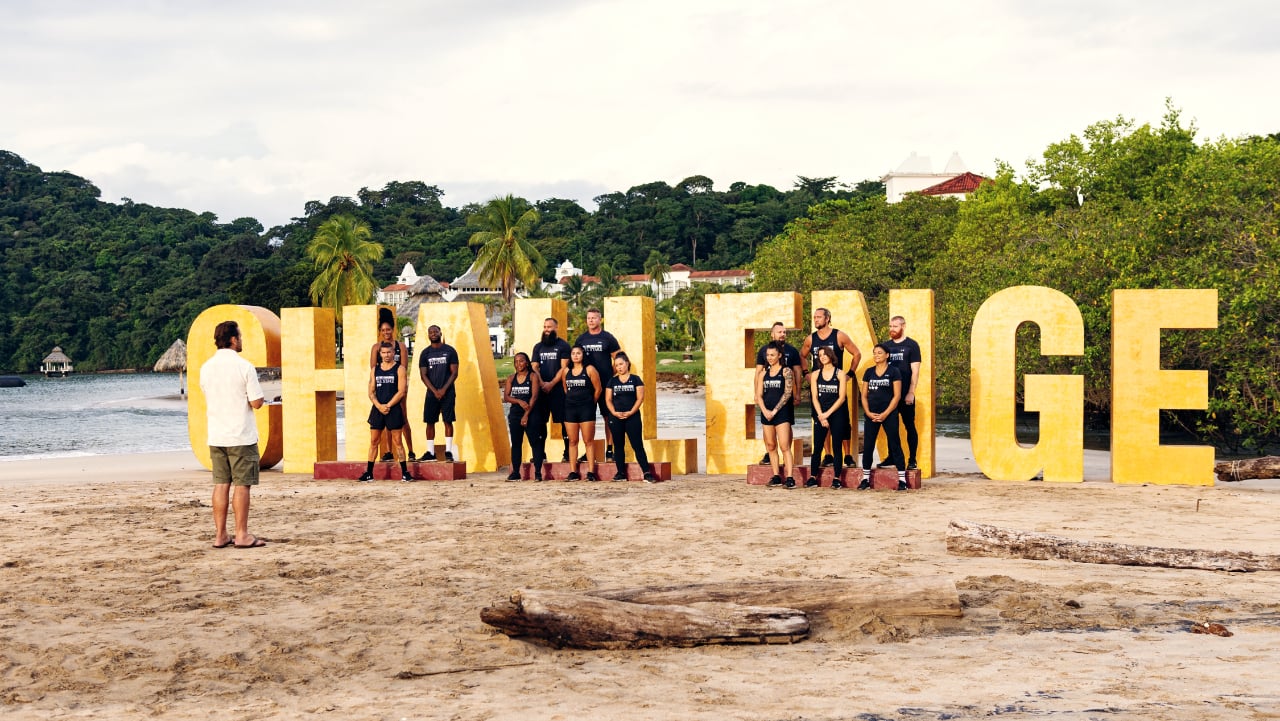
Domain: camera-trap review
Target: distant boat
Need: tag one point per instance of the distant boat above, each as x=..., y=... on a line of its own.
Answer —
x=56, y=364
x=11, y=382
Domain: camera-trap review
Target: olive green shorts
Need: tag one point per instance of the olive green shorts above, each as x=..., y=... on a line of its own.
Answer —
x=237, y=465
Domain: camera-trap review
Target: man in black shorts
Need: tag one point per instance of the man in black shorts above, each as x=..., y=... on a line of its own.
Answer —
x=790, y=359
x=600, y=347
x=551, y=361
x=438, y=368
x=904, y=354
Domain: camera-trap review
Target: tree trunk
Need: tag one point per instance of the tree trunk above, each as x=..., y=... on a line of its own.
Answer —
x=926, y=596
x=1265, y=467
x=578, y=621
x=965, y=538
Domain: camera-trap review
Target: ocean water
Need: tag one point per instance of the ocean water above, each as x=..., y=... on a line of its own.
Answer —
x=89, y=415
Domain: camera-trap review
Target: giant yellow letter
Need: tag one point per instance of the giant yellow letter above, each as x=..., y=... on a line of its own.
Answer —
x=730, y=367
x=1140, y=389
x=309, y=388
x=993, y=396
x=260, y=332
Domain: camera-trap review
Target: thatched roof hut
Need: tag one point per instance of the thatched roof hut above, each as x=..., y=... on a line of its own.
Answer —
x=174, y=359
x=56, y=364
x=424, y=290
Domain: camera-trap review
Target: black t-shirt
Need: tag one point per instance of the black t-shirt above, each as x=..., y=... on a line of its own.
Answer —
x=548, y=357
x=773, y=388
x=599, y=348
x=790, y=356
x=437, y=361
x=578, y=388
x=828, y=390
x=901, y=355
x=832, y=342
x=521, y=392
x=624, y=392
x=385, y=382
x=880, y=388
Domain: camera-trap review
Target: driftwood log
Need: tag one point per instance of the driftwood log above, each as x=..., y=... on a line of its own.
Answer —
x=1264, y=467
x=965, y=538
x=579, y=621
x=921, y=596
x=692, y=615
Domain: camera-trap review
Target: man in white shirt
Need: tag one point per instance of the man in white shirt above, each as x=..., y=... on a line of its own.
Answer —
x=232, y=393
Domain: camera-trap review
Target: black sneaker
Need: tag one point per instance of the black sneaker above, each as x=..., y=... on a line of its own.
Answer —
x=812, y=483
x=650, y=478
x=620, y=476
x=513, y=476
x=837, y=484
x=865, y=485
x=592, y=476
x=427, y=457
x=406, y=477
x=387, y=457
x=775, y=481
x=608, y=455
x=902, y=486
x=448, y=456
x=848, y=461
x=829, y=461
x=366, y=477
x=911, y=465
x=565, y=457
x=766, y=460
x=583, y=459
x=573, y=476
x=791, y=482
x=412, y=458
x=537, y=475
x=885, y=464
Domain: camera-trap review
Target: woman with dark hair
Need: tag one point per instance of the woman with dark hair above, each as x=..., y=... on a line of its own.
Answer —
x=386, y=418
x=387, y=334
x=624, y=395
x=581, y=390
x=827, y=387
x=881, y=392
x=521, y=391
x=774, y=390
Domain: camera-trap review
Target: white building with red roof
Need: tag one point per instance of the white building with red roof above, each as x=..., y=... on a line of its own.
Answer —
x=916, y=175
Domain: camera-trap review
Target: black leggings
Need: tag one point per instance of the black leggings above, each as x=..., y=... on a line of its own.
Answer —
x=871, y=430
x=839, y=433
x=628, y=429
x=535, y=431
x=907, y=411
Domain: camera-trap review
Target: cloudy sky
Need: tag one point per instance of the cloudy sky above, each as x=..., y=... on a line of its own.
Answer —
x=252, y=108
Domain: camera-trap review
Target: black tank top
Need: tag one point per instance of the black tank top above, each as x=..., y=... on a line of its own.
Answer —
x=832, y=342
x=521, y=391
x=828, y=390
x=578, y=389
x=774, y=388
x=385, y=382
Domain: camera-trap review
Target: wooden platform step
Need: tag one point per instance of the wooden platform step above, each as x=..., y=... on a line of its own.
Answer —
x=558, y=470
x=421, y=471
x=882, y=479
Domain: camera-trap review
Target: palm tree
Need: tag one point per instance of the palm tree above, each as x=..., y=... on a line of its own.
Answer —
x=344, y=255
x=576, y=292
x=506, y=255
x=657, y=268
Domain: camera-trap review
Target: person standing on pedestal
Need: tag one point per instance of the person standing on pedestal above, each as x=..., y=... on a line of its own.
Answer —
x=550, y=359
x=828, y=386
x=904, y=354
x=824, y=336
x=521, y=391
x=881, y=392
x=581, y=389
x=600, y=346
x=438, y=368
x=624, y=394
x=774, y=391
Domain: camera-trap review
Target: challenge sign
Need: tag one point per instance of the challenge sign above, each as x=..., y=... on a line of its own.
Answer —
x=303, y=429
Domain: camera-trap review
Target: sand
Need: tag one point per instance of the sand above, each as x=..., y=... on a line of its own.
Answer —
x=365, y=605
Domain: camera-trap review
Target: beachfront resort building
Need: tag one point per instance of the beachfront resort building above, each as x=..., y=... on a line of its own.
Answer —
x=915, y=175
x=678, y=278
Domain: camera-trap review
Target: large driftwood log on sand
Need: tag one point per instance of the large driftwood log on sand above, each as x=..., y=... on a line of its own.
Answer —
x=965, y=538
x=921, y=596
x=578, y=621
x=692, y=615
x=1265, y=467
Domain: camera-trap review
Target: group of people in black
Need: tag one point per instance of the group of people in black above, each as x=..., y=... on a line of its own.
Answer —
x=388, y=389
x=888, y=397
x=567, y=384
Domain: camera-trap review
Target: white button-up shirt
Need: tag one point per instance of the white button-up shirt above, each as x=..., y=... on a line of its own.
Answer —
x=230, y=384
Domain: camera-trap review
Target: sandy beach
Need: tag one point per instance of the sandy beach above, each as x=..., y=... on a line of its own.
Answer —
x=366, y=603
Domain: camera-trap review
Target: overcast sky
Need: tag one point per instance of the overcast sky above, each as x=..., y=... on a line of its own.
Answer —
x=252, y=108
